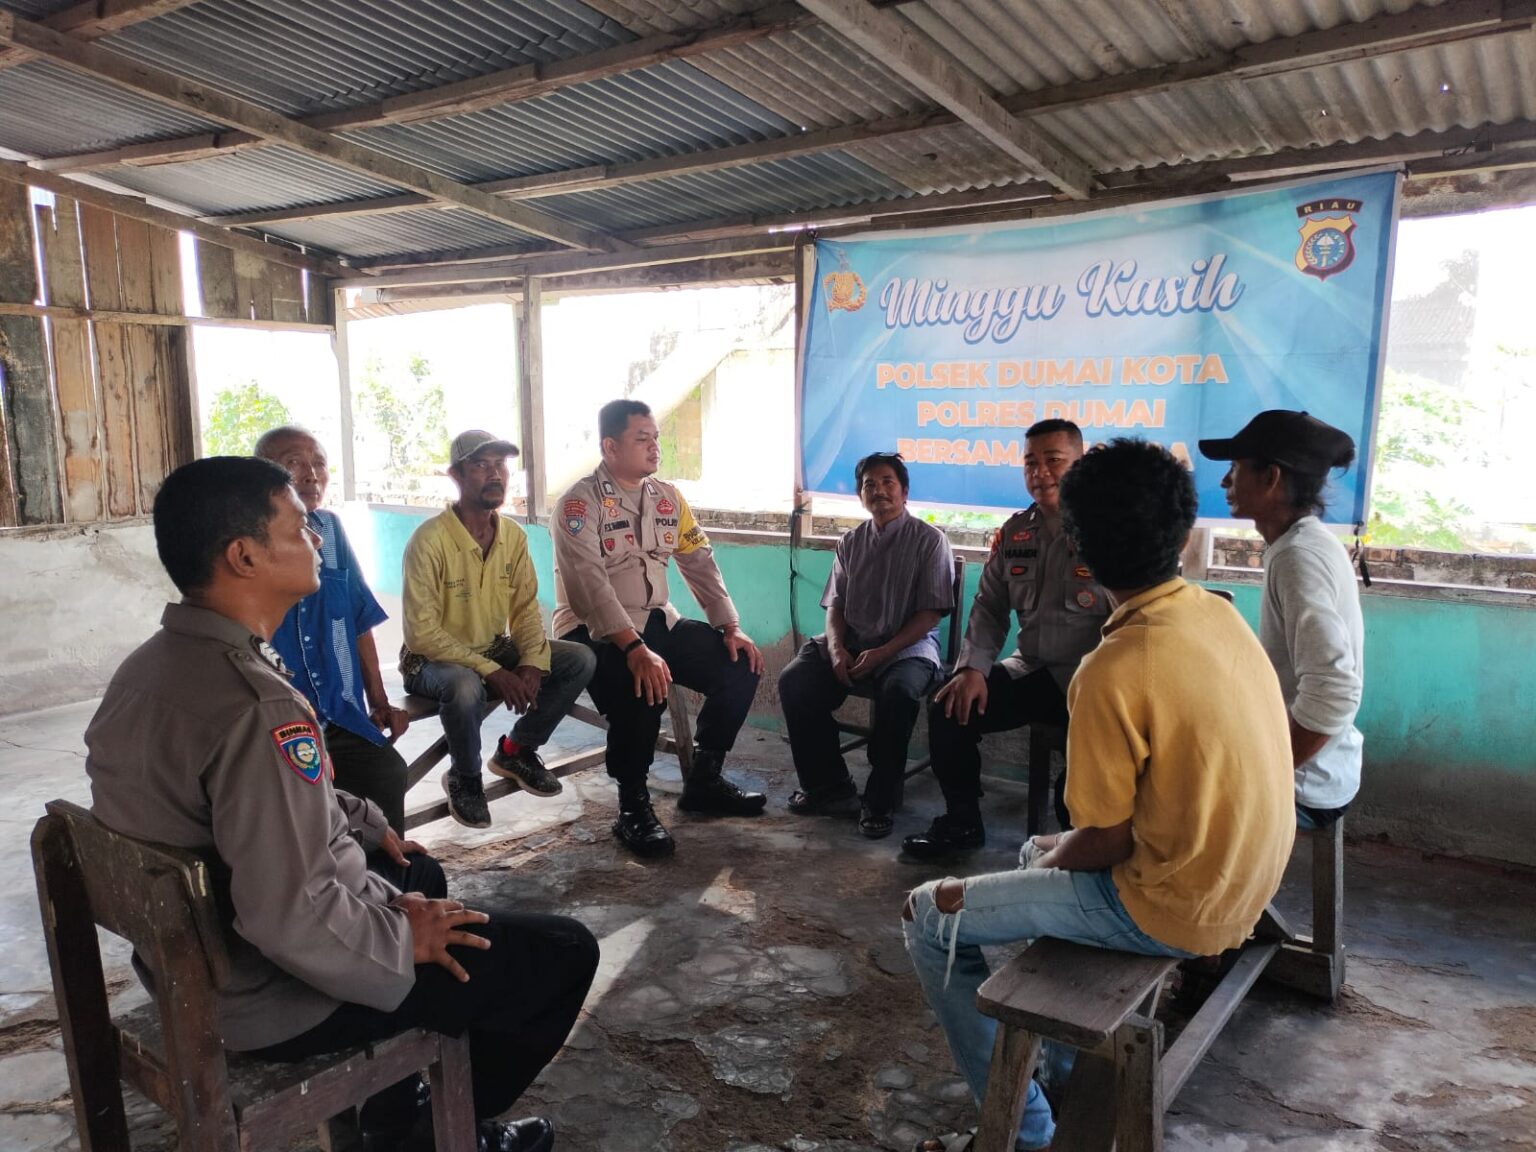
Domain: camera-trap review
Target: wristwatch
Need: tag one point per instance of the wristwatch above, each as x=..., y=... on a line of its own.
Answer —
x=637, y=642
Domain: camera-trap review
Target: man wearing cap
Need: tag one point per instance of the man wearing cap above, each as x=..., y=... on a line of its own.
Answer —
x=473, y=632
x=1033, y=573
x=1309, y=620
x=618, y=530
x=326, y=641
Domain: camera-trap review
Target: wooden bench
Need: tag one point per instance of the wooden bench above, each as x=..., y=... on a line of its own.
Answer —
x=423, y=708
x=161, y=900
x=1314, y=964
x=1101, y=1003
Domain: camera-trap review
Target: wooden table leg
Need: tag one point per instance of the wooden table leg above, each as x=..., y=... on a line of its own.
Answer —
x=1013, y=1064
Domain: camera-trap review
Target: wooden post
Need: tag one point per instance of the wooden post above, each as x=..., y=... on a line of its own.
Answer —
x=28, y=417
x=530, y=395
x=343, y=353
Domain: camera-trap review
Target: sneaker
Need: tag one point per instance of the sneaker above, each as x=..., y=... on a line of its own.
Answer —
x=466, y=800
x=945, y=836
x=524, y=767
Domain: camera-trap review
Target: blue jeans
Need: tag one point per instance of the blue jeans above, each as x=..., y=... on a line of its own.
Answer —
x=461, y=694
x=1004, y=908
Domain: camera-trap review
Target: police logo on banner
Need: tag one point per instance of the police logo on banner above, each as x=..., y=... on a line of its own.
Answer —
x=575, y=515
x=844, y=288
x=1327, y=236
x=299, y=746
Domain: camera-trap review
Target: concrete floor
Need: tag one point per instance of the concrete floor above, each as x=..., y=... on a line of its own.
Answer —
x=754, y=992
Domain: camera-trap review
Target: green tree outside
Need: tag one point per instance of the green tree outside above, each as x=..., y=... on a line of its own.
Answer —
x=408, y=410
x=239, y=415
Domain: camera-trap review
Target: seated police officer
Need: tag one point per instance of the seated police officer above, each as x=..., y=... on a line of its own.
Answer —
x=1034, y=572
x=892, y=581
x=201, y=742
x=615, y=533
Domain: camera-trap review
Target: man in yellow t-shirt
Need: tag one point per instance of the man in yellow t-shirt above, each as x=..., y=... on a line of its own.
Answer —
x=1178, y=773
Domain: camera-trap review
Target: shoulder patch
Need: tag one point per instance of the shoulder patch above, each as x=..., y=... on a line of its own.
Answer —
x=298, y=743
x=574, y=515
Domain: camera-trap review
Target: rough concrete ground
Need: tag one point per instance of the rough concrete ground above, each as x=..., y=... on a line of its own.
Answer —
x=754, y=992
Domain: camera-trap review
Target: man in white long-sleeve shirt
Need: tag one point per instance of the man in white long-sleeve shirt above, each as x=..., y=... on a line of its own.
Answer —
x=1309, y=623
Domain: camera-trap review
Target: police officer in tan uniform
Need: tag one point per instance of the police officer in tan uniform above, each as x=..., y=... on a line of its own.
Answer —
x=615, y=532
x=1033, y=572
x=202, y=742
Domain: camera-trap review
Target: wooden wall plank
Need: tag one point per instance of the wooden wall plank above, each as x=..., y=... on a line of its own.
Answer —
x=216, y=280
x=73, y=375
x=29, y=422
x=319, y=305
x=133, y=265
x=287, y=292
x=98, y=234
x=147, y=393
x=112, y=370
x=172, y=355
x=165, y=271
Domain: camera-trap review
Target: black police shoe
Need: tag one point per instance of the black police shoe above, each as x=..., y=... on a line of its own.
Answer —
x=638, y=828
x=945, y=836
x=534, y=1134
x=709, y=792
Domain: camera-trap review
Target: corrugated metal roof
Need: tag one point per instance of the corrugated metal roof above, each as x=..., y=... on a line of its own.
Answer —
x=47, y=110
x=301, y=56
x=664, y=110
x=265, y=178
x=403, y=233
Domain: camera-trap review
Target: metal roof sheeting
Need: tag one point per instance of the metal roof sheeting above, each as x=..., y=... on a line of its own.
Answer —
x=305, y=56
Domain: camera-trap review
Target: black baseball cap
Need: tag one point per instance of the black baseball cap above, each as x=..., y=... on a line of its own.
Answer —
x=1291, y=439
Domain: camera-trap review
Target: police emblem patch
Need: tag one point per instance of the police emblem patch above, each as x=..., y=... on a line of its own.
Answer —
x=608, y=545
x=1018, y=537
x=575, y=516
x=1086, y=599
x=1082, y=573
x=299, y=746
x=665, y=507
x=607, y=488
x=629, y=537
x=1327, y=241
x=667, y=538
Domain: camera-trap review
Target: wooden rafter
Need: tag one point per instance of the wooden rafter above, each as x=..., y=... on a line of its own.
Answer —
x=913, y=56
x=191, y=96
x=1459, y=19
x=15, y=172
x=507, y=86
x=94, y=19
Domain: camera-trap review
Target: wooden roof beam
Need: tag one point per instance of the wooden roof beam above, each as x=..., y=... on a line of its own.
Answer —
x=93, y=19
x=507, y=86
x=912, y=55
x=191, y=96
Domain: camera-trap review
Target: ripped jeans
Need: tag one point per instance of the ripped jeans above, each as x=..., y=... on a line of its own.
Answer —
x=1004, y=908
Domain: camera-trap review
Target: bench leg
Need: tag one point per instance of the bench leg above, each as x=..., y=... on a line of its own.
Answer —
x=1139, y=1086
x=1315, y=964
x=453, y=1105
x=1013, y=1063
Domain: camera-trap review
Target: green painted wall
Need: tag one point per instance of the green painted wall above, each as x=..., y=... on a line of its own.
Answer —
x=1449, y=714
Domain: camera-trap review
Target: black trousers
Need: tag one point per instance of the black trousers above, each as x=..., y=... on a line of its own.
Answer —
x=809, y=693
x=956, y=747
x=696, y=654
x=371, y=771
x=518, y=1006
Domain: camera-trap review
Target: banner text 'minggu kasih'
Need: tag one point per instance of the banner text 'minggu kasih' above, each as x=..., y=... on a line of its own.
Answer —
x=1107, y=287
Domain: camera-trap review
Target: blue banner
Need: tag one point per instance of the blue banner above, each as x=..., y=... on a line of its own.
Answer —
x=1174, y=322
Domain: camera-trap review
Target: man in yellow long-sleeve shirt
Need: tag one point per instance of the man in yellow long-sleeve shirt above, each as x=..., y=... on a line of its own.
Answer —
x=473, y=632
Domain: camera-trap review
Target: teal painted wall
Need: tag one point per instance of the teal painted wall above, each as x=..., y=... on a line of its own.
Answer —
x=1449, y=714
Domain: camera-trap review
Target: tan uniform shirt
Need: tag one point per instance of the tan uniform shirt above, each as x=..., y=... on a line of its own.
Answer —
x=1034, y=573
x=611, y=552
x=202, y=744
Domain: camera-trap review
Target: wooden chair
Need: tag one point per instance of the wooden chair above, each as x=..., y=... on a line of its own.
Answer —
x=161, y=901
x=423, y=708
x=1102, y=1003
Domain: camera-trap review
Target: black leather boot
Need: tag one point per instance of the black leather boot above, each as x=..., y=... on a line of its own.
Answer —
x=637, y=825
x=708, y=791
x=947, y=835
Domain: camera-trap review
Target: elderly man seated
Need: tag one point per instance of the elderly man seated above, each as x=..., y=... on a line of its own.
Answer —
x=892, y=582
x=1179, y=774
